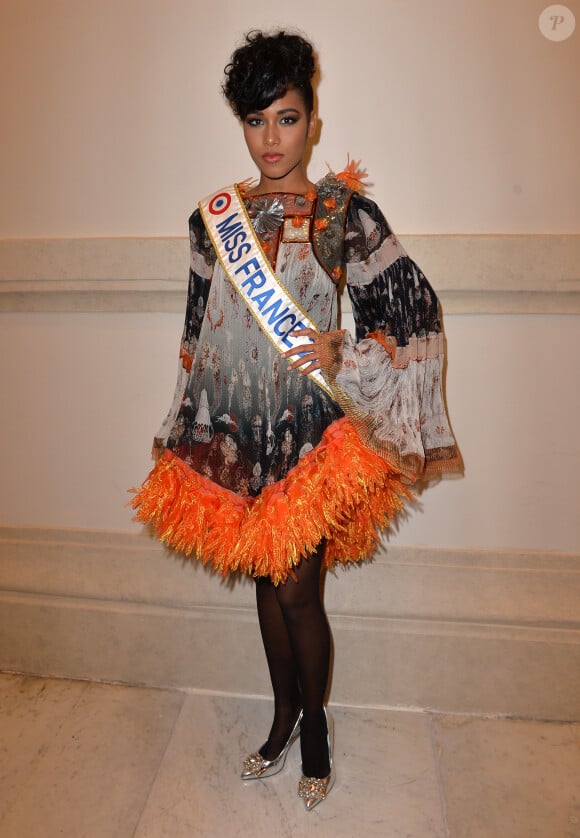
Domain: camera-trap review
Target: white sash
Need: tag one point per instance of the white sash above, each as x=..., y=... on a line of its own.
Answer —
x=247, y=268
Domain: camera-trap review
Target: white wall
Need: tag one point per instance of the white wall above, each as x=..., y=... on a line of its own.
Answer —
x=467, y=120
x=464, y=114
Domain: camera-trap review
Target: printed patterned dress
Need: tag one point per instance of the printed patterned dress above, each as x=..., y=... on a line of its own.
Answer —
x=259, y=463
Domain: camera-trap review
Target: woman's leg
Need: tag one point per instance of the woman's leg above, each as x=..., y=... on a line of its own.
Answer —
x=283, y=674
x=309, y=639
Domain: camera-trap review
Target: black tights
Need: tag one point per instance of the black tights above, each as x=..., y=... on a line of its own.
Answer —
x=296, y=640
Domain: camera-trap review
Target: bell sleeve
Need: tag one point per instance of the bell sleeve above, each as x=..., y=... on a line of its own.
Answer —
x=388, y=381
x=202, y=261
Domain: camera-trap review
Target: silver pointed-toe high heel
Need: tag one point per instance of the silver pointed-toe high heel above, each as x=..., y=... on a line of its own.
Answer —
x=315, y=789
x=257, y=768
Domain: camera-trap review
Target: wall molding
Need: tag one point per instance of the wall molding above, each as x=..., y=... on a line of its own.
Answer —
x=528, y=274
x=450, y=630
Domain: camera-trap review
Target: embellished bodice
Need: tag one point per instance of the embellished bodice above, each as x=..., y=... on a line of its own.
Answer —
x=318, y=217
x=280, y=217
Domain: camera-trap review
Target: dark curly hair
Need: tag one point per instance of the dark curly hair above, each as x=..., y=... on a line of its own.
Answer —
x=265, y=68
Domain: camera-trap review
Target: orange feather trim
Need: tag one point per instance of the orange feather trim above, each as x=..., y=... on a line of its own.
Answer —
x=352, y=175
x=339, y=491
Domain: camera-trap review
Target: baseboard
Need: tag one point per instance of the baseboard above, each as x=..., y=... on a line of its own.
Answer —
x=450, y=630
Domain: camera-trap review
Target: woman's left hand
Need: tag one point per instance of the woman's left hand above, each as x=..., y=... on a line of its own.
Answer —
x=309, y=353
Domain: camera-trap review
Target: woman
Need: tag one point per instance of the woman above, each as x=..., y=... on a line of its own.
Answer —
x=288, y=443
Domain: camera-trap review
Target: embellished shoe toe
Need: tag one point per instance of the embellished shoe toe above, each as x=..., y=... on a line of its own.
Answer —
x=256, y=767
x=313, y=790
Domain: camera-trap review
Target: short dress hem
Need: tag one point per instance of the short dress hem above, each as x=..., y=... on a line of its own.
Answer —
x=269, y=534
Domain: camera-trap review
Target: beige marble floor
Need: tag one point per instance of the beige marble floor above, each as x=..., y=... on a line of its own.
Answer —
x=87, y=760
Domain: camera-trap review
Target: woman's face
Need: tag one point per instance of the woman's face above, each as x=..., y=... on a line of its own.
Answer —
x=276, y=138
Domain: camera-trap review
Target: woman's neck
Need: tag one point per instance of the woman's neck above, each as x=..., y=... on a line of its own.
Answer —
x=297, y=183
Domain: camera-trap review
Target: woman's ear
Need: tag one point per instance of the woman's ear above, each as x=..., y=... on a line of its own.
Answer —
x=313, y=122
